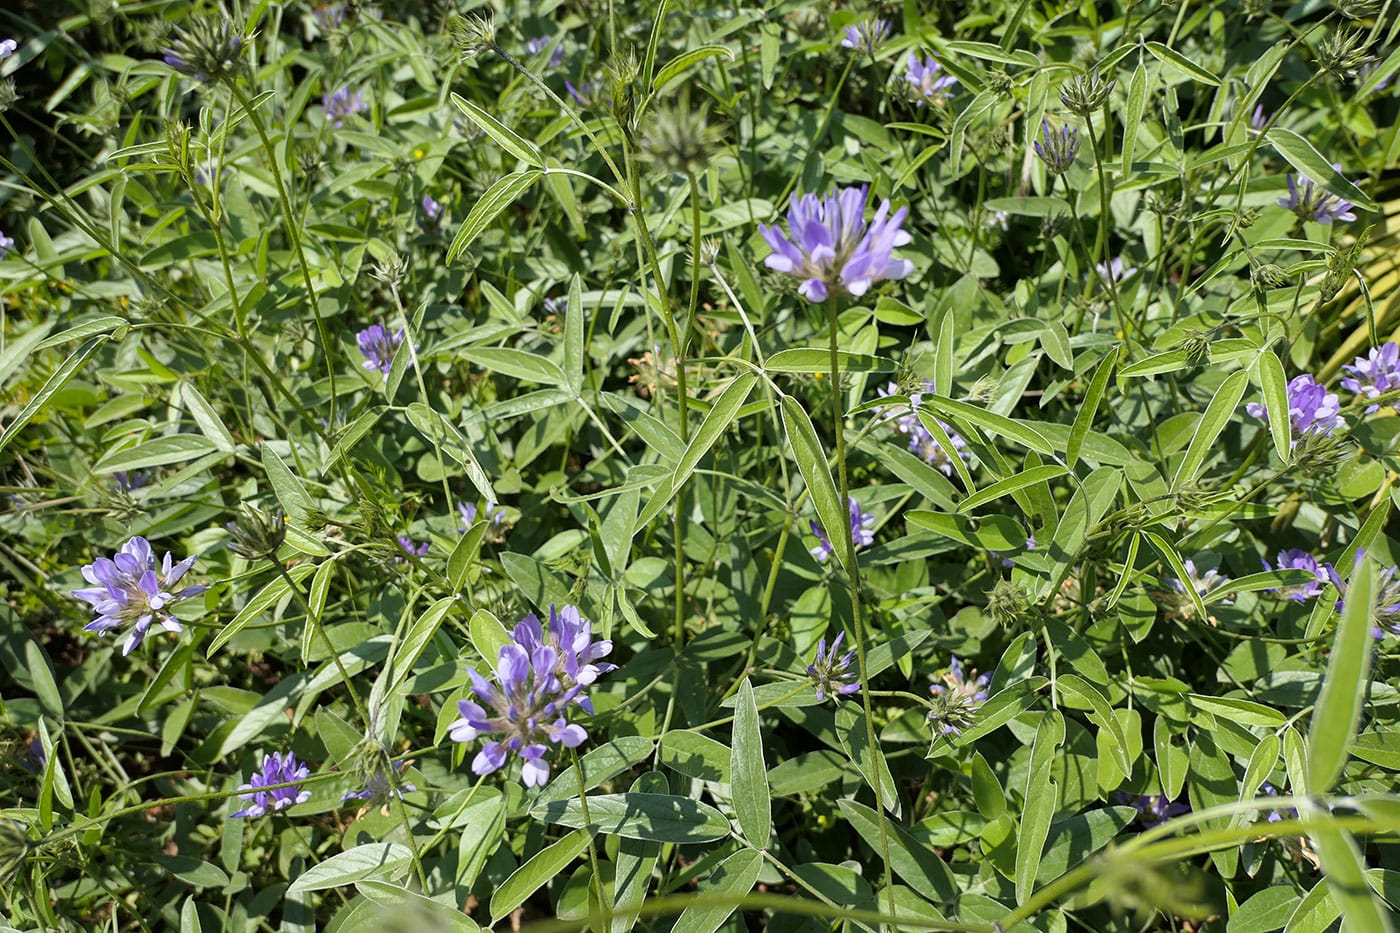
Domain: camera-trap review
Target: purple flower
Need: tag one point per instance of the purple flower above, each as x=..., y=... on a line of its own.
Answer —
x=829, y=670
x=1311, y=408
x=583, y=94
x=957, y=699
x=206, y=50
x=378, y=344
x=927, y=81
x=495, y=514
x=538, y=676
x=866, y=35
x=328, y=16
x=411, y=548
x=921, y=441
x=340, y=104
x=36, y=761
x=136, y=479
x=6, y=244
x=276, y=769
x=1387, y=590
x=432, y=210
x=1152, y=809
x=131, y=591
x=832, y=249
x=1258, y=119
x=1113, y=271
x=8, y=47
x=382, y=781
x=1296, y=559
x=1375, y=374
x=1203, y=583
x=862, y=530
x=538, y=44
x=1057, y=148
x=1276, y=815
x=1310, y=202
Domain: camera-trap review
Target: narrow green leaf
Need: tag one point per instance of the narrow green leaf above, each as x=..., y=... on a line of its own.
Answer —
x=720, y=893
x=416, y=639
x=542, y=868
x=1172, y=57
x=505, y=137
x=58, y=380
x=999, y=425
x=1089, y=407
x=657, y=817
x=1218, y=413
x=818, y=360
x=717, y=420
x=445, y=436
x=204, y=415
x=1178, y=570
x=1169, y=361
x=1338, y=708
x=1274, y=384
x=1300, y=154
x=573, y=337
x=636, y=860
x=290, y=492
x=375, y=860
x=986, y=789
x=911, y=860
x=748, y=771
x=42, y=680
x=1345, y=869
x=1040, y=799
x=1011, y=484
x=945, y=343
x=1132, y=117
x=271, y=593
x=1102, y=716
x=672, y=70
x=102, y=325
x=496, y=199
x=833, y=514
x=519, y=364
x=159, y=451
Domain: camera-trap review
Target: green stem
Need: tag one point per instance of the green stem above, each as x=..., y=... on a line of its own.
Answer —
x=317, y=629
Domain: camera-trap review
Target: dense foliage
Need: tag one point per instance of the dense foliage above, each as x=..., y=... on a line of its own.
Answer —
x=687, y=465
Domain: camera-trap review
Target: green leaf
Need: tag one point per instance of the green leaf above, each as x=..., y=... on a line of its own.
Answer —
x=1345, y=869
x=1132, y=118
x=749, y=772
x=986, y=789
x=1218, y=413
x=696, y=755
x=539, y=870
x=497, y=198
x=504, y=136
x=426, y=913
x=720, y=893
x=1101, y=715
x=600, y=764
x=102, y=325
x=1040, y=799
x=519, y=364
x=573, y=336
x=635, y=862
x=416, y=639
x=717, y=420
x=833, y=514
x=1265, y=911
x=445, y=436
x=57, y=381
x=999, y=425
x=1274, y=384
x=290, y=492
x=1001, y=708
x=204, y=415
x=913, y=861
x=272, y=592
x=1338, y=708
x=1172, y=57
x=818, y=360
x=159, y=451
x=1088, y=408
x=655, y=817
x=375, y=860
x=1300, y=154
x=672, y=70
x=1011, y=484
x=42, y=680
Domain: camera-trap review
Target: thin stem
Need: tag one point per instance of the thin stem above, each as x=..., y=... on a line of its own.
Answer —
x=326, y=641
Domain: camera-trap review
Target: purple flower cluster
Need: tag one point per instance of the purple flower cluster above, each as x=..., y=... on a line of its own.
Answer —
x=862, y=530
x=1297, y=559
x=583, y=93
x=829, y=670
x=328, y=16
x=906, y=421
x=832, y=249
x=131, y=591
x=538, y=676
x=1375, y=374
x=1057, y=148
x=276, y=769
x=865, y=36
x=411, y=547
x=1311, y=408
x=1152, y=808
x=1203, y=583
x=957, y=699
x=927, y=81
x=382, y=781
x=1387, y=590
x=1311, y=202
x=341, y=104
x=378, y=344
x=494, y=514
x=432, y=212
x=538, y=44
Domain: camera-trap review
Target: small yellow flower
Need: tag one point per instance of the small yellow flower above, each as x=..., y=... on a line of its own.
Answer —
x=419, y=152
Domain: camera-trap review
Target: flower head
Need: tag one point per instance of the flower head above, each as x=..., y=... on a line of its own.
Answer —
x=6, y=244
x=862, y=530
x=136, y=479
x=411, y=548
x=432, y=210
x=832, y=248
x=538, y=677
x=1311, y=408
x=1311, y=202
x=927, y=81
x=584, y=93
x=8, y=47
x=206, y=50
x=829, y=669
x=957, y=699
x=1375, y=374
x=328, y=16
x=378, y=344
x=383, y=780
x=538, y=44
x=921, y=440
x=36, y=761
x=1387, y=590
x=1203, y=583
x=1113, y=271
x=276, y=769
x=1258, y=119
x=1057, y=148
x=865, y=36
x=131, y=590
x=1153, y=809
x=495, y=514
x=1297, y=559
x=340, y=104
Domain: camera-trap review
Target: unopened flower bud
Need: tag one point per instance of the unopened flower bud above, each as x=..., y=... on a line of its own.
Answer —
x=1086, y=93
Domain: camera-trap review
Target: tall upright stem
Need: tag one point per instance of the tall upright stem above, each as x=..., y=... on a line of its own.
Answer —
x=847, y=533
